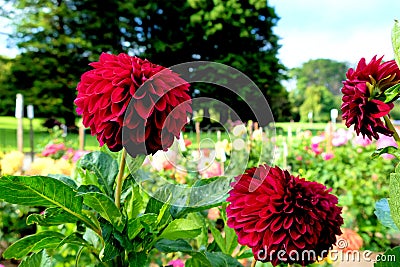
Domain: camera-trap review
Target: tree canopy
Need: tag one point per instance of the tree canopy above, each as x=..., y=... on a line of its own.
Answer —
x=324, y=78
x=58, y=38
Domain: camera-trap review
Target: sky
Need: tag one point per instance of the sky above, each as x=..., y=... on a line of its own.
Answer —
x=341, y=30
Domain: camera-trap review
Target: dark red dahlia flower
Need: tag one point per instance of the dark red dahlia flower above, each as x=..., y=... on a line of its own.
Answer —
x=361, y=91
x=148, y=101
x=284, y=219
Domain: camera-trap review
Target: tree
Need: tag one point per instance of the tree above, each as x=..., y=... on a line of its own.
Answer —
x=58, y=38
x=7, y=96
x=318, y=100
x=326, y=73
x=236, y=33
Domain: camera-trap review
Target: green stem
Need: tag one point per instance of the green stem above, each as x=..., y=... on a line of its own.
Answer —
x=391, y=127
x=253, y=263
x=118, y=187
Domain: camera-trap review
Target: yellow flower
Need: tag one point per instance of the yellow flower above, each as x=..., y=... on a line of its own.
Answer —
x=46, y=166
x=12, y=162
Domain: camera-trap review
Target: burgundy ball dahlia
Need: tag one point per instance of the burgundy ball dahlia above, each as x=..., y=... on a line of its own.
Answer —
x=284, y=219
x=124, y=92
x=361, y=91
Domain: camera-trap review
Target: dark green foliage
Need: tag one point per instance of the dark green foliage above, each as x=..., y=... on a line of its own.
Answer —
x=325, y=74
x=58, y=39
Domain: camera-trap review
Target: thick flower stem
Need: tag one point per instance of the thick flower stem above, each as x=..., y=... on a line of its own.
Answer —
x=253, y=263
x=118, y=187
x=391, y=127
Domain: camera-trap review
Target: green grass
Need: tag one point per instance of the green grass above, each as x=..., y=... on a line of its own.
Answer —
x=10, y=123
x=8, y=135
x=314, y=127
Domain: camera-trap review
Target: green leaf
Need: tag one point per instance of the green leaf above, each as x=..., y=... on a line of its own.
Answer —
x=51, y=216
x=75, y=239
x=135, y=163
x=109, y=252
x=245, y=254
x=382, y=211
x=111, y=247
x=219, y=259
x=39, y=191
x=92, y=238
x=198, y=260
x=391, y=257
x=149, y=221
x=168, y=246
x=156, y=202
x=218, y=237
x=43, y=191
x=390, y=149
x=392, y=93
x=396, y=41
x=65, y=179
x=204, y=194
x=202, y=238
x=31, y=243
x=134, y=228
x=146, y=221
x=231, y=240
x=394, y=200
x=137, y=259
x=104, y=167
x=181, y=228
x=105, y=206
x=41, y=259
x=134, y=203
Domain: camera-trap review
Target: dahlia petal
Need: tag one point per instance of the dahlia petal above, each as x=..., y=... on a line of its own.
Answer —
x=382, y=108
x=294, y=234
x=301, y=228
x=278, y=237
x=287, y=222
x=104, y=94
x=144, y=107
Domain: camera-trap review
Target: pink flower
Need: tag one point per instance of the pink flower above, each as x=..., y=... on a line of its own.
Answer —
x=211, y=170
x=299, y=158
x=78, y=154
x=340, y=138
x=53, y=149
x=327, y=156
x=316, y=149
x=360, y=140
x=385, y=141
x=164, y=160
x=174, y=263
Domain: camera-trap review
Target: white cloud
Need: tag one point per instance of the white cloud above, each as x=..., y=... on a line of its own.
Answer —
x=343, y=30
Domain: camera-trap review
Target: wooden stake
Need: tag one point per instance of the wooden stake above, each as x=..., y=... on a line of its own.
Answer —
x=19, y=114
x=197, y=126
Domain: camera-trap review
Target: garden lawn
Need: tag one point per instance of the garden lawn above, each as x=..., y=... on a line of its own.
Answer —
x=8, y=135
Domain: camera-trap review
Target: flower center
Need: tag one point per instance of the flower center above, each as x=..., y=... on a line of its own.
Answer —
x=377, y=88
